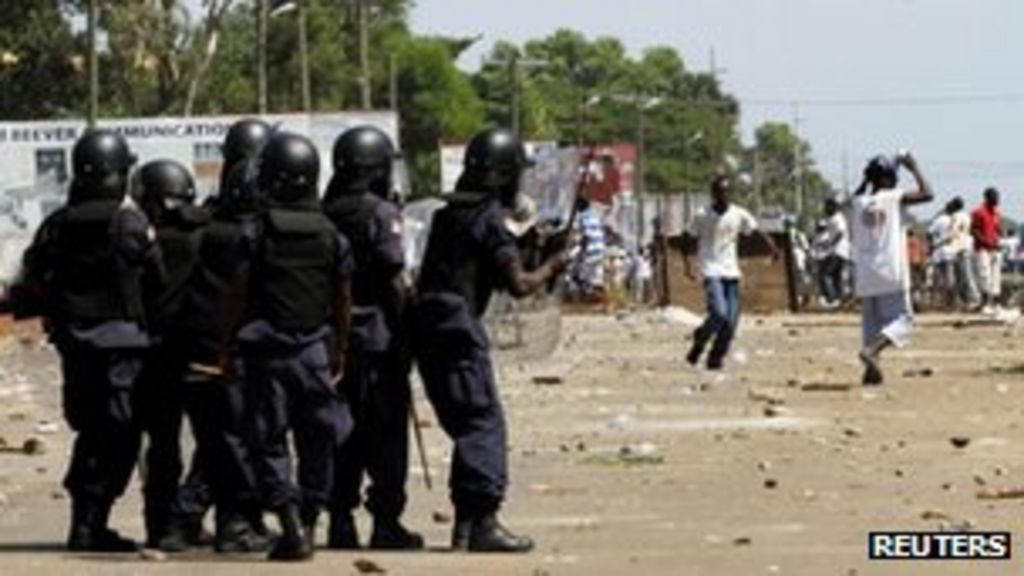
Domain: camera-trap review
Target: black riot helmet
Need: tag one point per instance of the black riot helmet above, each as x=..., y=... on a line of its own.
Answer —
x=289, y=169
x=239, y=193
x=494, y=161
x=163, y=185
x=363, y=160
x=244, y=140
x=100, y=164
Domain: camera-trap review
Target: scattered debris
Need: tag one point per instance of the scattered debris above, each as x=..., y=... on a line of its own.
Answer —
x=548, y=380
x=954, y=526
x=772, y=397
x=934, y=515
x=771, y=411
x=365, y=566
x=918, y=373
x=826, y=387
x=152, y=555
x=1001, y=493
x=620, y=422
x=853, y=432
x=644, y=453
x=742, y=541
x=771, y=483
x=47, y=427
x=960, y=442
x=30, y=447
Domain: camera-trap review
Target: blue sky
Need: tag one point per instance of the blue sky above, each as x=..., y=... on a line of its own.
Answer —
x=941, y=77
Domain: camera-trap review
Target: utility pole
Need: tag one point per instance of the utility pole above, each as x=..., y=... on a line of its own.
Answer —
x=641, y=144
x=758, y=180
x=307, y=96
x=846, y=172
x=515, y=63
x=364, y=53
x=714, y=70
x=798, y=162
x=94, y=65
x=514, y=111
x=393, y=81
x=262, y=16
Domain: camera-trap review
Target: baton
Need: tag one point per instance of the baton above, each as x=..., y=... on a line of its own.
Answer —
x=418, y=433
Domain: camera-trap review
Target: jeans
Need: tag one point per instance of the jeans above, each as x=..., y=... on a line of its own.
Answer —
x=723, y=309
x=830, y=278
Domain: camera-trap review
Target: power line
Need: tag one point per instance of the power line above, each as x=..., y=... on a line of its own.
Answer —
x=945, y=100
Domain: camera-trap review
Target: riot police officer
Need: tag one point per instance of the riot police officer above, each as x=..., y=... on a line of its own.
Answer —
x=470, y=253
x=243, y=143
x=376, y=378
x=225, y=247
x=94, y=253
x=295, y=305
x=241, y=147
x=166, y=192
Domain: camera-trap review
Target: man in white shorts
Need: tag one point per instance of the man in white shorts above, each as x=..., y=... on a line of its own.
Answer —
x=880, y=253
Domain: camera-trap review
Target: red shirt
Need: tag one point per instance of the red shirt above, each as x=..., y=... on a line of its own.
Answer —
x=985, y=227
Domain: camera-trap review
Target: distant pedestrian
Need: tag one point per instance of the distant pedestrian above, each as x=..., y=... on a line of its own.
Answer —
x=836, y=258
x=987, y=256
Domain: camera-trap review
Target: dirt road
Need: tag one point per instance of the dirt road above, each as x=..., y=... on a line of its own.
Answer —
x=625, y=461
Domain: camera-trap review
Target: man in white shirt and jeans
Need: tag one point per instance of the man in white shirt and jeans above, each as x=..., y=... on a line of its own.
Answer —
x=717, y=230
x=837, y=255
x=881, y=261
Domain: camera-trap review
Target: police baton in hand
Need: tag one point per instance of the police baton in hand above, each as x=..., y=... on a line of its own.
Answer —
x=417, y=431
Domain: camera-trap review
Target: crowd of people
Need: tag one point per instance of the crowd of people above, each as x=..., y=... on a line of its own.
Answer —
x=279, y=323
x=955, y=261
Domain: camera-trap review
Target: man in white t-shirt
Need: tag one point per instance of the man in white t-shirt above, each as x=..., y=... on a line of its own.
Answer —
x=963, y=249
x=717, y=230
x=943, y=258
x=880, y=255
x=836, y=239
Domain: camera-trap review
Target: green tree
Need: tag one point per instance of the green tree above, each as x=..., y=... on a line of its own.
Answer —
x=591, y=91
x=438, y=104
x=782, y=167
x=41, y=62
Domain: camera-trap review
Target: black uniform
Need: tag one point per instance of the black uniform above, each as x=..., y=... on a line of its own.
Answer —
x=468, y=248
x=376, y=378
x=286, y=348
x=470, y=253
x=165, y=393
x=85, y=271
x=296, y=281
x=226, y=246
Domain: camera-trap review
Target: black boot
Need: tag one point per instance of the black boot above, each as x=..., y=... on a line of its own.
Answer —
x=175, y=537
x=309, y=522
x=293, y=544
x=488, y=535
x=236, y=536
x=460, y=533
x=89, y=531
x=389, y=534
x=342, y=534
